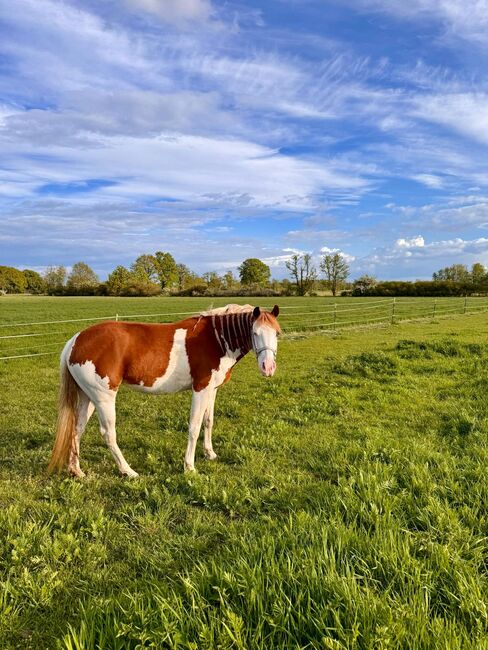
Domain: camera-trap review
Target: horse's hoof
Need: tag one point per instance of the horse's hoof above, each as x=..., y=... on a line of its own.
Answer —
x=129, y=473
x=210, y=455
x=76, y=472
x=189, y=468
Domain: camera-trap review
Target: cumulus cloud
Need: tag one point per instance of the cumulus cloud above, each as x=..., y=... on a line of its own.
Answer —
x=415, y=258
x=413, y=242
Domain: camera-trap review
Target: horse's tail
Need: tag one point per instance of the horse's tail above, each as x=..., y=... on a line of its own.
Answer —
x=65, y=432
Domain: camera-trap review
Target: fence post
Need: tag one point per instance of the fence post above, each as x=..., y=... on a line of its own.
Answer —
x=435, y=307
x=116, y=317
x=335, y=314
x=393, y=311
x=465, y=304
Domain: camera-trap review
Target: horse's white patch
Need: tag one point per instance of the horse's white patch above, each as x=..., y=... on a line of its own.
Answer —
x=226, y=363
x=177, y=375
x=85, y=374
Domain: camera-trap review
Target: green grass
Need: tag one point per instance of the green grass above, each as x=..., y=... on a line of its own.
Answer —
x=348, y=507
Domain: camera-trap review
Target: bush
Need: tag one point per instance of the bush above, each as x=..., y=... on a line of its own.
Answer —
x=202, y=290
x=142, y=289
x=421, y=288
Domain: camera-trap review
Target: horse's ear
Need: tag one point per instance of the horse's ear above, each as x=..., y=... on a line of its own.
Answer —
x=256, y=312
x=275, y=311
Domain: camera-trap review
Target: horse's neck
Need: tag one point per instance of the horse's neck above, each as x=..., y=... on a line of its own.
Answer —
x=233, y=332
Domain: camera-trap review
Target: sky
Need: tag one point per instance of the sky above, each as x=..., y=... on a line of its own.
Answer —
x=220, y=130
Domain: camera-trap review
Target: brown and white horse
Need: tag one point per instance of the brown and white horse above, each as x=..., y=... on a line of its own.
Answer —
x=197, y=353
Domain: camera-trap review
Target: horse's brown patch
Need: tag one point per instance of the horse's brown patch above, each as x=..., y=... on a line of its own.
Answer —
x=130, y=352
x=139, y=352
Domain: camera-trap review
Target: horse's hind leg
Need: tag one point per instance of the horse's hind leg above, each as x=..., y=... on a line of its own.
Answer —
x=83, y=414
x=106, y=414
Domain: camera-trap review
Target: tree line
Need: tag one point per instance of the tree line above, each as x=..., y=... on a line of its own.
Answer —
x=153, y=274
x=159, y=273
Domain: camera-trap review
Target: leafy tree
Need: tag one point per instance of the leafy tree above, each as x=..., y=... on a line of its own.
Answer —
x=336, y=270
x=185, y=277
x=364, y=285
x=229, y=281
x=212, y=280
x=478, y=274
x=146, y=268
x=302, y=272
x=166, y=269
x=254, y=271
x=12, y=280
x=34, y=282
x=118, y=280
x=55, y=278
x=454, y=273
x=82, y=277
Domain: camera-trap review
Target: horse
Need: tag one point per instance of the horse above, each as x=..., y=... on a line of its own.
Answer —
x=196, y=354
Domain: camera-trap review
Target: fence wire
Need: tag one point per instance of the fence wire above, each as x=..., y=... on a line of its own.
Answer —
x=334, y=316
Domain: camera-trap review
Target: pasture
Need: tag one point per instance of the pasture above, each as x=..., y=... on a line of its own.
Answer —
x=347, y=507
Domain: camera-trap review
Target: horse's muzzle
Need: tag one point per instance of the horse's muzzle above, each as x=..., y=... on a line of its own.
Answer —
x=268, y=367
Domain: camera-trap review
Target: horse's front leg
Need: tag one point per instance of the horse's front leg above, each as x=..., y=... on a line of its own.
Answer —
x=199, y=405
x=208, y=419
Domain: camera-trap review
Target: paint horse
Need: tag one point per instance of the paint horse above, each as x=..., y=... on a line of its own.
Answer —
x=198, y=353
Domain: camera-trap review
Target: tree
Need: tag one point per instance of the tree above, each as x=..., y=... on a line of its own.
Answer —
x=146, y=268
x=82, y=277
x=478, y=274
x=34, y=282
x=185, y=277
x=166, y=269
x=254, y=271
x=212, y=279
x=302, y=272
x=335, y=268
x=118, y=280
x=229, y=281
x=454, y=273
x=12, y=280
x=363, y=285
x=55, y=278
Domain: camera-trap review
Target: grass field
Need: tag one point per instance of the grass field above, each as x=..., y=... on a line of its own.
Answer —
x=347, y=509
x=26, y=325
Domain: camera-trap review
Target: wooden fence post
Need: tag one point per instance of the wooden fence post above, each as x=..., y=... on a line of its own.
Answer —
x=393, y=311
x=435, y=307
x=116, y=317
x=335, y=314
x=465, y=304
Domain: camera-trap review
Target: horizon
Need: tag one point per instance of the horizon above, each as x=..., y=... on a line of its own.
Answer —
x=222, y=131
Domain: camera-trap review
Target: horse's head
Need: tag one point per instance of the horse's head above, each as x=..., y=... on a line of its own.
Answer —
x=265, y=329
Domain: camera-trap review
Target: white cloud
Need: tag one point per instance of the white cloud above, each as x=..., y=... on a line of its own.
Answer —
x=415, y=258
x=462, y=18
x=429, y=180
x=465, y=113
x=414, y=242
x=175, y=11
x=186, y=166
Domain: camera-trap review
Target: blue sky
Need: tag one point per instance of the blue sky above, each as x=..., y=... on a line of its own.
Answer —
x=225, y=130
